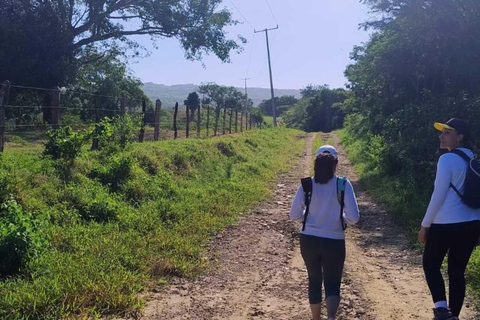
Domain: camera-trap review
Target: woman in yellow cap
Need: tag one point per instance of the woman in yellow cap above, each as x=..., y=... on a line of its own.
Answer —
x=449, y=225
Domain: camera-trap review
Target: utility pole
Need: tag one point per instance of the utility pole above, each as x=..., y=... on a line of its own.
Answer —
x=244, y=105
x=271, y=78
x=246, y=94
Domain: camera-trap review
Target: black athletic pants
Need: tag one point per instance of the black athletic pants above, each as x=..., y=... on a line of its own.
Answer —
x=324, y=258
x=458, y=240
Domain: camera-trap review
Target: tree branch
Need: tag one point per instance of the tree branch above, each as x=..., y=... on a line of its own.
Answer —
x=92, y=21
x=124, y=17
x=143, y=31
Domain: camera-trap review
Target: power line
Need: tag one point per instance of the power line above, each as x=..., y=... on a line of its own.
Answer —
x=251, y=52
x=241, y=14
x=271, y=11
x=266, y=59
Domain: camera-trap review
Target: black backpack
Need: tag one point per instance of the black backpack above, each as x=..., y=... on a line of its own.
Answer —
x=307, y=186
x=471, y=192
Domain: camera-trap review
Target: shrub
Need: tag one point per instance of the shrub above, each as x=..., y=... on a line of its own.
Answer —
x=64, y=144
x=226, y=148
x=116, y=171
x=19, y=237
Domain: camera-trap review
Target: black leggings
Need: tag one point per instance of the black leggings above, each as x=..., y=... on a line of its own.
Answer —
x=324, y=258
x=458, y=240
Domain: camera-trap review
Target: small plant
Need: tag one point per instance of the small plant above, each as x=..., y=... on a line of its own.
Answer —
x=115, y=134
x=19, y=237
x=114, y=173
x=226, y=148
x=64, y=144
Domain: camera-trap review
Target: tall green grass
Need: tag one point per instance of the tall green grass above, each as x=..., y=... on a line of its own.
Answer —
x=127, y=220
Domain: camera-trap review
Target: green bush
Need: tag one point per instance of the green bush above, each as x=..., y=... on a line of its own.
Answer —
x=116, y=134
x=20, y=237
x=64, y=144
x=91, y=201
x=114, y=172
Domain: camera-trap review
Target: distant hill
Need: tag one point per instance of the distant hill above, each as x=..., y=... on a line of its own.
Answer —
x=179, y=92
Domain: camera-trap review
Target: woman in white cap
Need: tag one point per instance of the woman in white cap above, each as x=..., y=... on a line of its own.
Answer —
x=449, y=224
x=322, y=238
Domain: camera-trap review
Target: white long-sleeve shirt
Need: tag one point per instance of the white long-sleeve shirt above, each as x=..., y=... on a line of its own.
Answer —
x=323, y=219
x=445, y=205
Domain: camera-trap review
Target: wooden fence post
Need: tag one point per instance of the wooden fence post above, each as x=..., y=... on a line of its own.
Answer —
x=224, y=120
x=158, y=109
x=141, y=136
x=208, y=119
x=123, y=103
x=236, y=121
x=250, y=121
x=217, y=115
x=97, y=121
x=241, y=121
x=230, y=126
x=175, y=121
x=198, y=121
x=56, y=108
x=187, y=126
x=4, y=96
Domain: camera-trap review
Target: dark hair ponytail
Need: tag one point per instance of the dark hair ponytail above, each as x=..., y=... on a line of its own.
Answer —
x=325, y=165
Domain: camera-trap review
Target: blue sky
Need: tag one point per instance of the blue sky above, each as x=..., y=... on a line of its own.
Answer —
x=312, y=45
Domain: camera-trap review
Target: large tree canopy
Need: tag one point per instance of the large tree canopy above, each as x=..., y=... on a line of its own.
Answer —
x=420, y=66
x=41, y=40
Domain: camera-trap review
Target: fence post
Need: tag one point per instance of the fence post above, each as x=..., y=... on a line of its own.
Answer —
x=56, y=108
x=187, y=126
x=236, y=121
x=250, y=121
x=158, y=109
x=123, y=103
x=97, y=121
x=208, y=119
x=241, y=121
x=198, y=121
x=4, y=95
x=141, y=136
x=224, y=120
x=175, y=121
x=230, y=126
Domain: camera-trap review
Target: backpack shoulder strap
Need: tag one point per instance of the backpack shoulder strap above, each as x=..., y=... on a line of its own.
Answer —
x=461, y=154
x=307, y=186
x=465, y=157
x=341, y=186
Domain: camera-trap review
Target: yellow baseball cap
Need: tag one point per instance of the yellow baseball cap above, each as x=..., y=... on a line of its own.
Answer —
x=459, y=125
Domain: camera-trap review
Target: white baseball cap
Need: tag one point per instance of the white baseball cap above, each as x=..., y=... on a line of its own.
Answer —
x=328, y=149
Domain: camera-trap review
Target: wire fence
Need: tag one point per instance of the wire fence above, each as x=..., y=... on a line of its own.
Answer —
x=26, y=113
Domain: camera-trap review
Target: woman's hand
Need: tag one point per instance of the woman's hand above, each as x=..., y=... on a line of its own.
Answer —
x=422, y=235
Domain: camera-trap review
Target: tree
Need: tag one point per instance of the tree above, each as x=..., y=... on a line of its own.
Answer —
x=420, y=64
x=41, y=41
x=218, y=95
x=192, y=102
x=282, y=104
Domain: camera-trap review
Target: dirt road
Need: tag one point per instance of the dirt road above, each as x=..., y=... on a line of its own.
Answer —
x=257, y=271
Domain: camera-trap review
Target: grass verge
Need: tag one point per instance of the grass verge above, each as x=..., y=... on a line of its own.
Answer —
x=123, y=221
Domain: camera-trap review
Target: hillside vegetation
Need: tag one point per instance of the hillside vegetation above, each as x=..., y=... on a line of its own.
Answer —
x=420, y=66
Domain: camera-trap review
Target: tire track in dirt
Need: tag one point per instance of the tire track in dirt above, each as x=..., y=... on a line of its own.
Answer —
x=257, y=271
